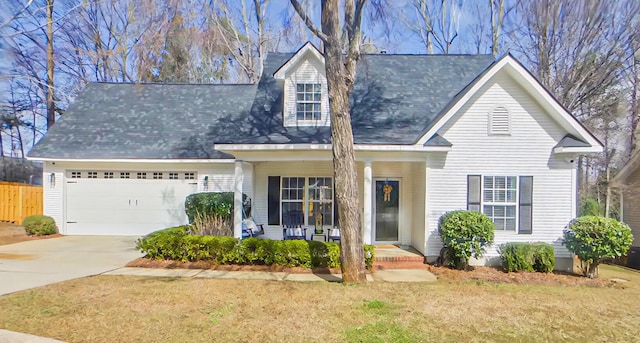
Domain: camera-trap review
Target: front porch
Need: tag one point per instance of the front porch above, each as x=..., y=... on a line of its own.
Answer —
x=391, y=195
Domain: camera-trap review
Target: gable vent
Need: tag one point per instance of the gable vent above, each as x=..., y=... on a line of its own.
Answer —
x=500, y=121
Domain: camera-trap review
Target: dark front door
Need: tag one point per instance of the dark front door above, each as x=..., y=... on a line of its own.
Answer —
x=387, y=210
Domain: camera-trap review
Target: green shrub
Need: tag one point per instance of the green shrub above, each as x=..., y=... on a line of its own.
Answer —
x=589, y=206
x=39, y=225
x=594, y=238
x=466, y=234
x=219, y=204
x=529, y=257
x=176, y=244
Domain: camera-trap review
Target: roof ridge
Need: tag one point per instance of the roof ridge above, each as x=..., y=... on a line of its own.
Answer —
x=169, y=83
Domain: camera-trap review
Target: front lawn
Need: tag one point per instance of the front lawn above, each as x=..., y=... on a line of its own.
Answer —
x=142, y=309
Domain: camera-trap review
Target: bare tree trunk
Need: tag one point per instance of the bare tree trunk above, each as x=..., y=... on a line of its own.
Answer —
x=340, y=80
x=20, y=141
x=340, y=69
x=607, y=202
x=51, y=110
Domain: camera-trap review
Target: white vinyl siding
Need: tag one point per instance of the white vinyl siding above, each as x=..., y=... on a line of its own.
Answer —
x=53, y=194
x=418, y=197
x=308, y=71
x=527, y=151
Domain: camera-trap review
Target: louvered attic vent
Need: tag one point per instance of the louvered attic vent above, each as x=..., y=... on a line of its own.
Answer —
x=500, y=121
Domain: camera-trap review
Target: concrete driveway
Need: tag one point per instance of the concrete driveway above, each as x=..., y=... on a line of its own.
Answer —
x=41, y=262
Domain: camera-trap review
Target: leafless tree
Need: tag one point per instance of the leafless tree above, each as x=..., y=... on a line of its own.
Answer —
x=340, y=69
x=579, y=51
x=436, y=22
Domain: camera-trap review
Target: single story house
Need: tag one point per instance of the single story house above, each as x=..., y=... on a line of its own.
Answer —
x=433, y=133
x=627, y=183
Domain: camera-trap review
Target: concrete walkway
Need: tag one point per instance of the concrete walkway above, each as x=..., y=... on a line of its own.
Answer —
x=7, y=336
x=37, y=263
x=397, y=275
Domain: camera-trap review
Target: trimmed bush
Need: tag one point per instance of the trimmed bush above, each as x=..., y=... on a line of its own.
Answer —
x=39, y=225
x=594, y=238
x=220, y=204
x=527, y=257
x=465, y=234
x=178, y=245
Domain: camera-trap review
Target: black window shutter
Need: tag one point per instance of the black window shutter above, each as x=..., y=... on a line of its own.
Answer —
x=273, y=197
x=473, y=192
x=525, y=209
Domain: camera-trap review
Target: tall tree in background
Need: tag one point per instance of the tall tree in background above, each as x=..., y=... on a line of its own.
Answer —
x=632, y=76
x=340, y=68
x=578, y=50
x=436, y=22
x=244, y=36
x=498, y=12
x=51, y=109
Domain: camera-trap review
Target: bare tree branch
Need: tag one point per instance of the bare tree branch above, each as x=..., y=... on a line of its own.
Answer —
x=307, y=20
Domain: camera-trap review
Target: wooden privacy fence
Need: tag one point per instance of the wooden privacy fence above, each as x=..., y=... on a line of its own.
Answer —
x=18, y=201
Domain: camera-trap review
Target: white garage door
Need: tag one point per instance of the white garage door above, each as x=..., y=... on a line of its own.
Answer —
x=125, y=203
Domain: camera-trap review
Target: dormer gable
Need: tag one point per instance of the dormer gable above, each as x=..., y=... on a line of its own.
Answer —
x=305, y=96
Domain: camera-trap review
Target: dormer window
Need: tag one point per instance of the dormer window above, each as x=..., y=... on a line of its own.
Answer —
x=308, y=101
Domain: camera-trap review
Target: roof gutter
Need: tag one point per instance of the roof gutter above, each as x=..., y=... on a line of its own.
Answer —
x=288, y=147
x=130, y=160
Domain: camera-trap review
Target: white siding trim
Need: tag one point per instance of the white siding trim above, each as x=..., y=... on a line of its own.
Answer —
x=367, y=219
x=281, y=73
x=576, y=150
x=237, y=199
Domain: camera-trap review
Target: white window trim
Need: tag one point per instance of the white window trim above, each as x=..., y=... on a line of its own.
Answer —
x=305, y=199
x=290, y=201
x=490, y=128
x=516, y=203
x=133, y=175
x=304, y=122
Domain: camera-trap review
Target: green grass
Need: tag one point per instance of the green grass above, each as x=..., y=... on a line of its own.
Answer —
x=144, y=309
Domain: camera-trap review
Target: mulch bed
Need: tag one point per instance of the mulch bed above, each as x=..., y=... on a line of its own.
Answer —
x=208, y=265
x=496, y=275
x=12, y=233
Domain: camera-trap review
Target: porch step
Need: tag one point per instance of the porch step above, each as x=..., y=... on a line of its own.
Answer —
x=415, y=258
x=388, y=265
x=398, y=258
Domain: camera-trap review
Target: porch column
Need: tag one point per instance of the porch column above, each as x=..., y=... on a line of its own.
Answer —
x=367, y=220
x=237, y=200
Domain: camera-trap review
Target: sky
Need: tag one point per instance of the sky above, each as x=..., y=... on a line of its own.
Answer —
x=390, y=35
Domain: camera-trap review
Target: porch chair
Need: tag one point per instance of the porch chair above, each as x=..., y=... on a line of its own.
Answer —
x=251, y=229
x=292, y=226
x=333, y=234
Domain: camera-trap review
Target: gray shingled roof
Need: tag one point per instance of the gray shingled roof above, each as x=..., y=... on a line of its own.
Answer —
x=395, y=99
